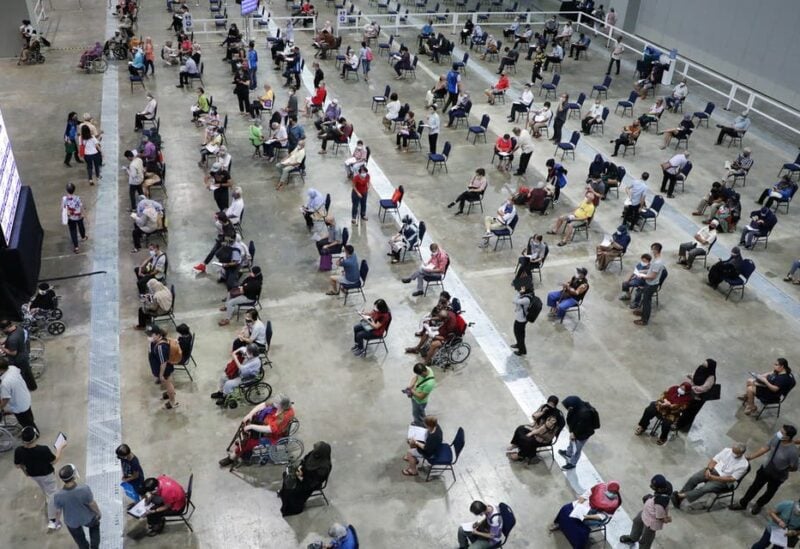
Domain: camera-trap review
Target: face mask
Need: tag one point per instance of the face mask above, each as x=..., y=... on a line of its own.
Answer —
x=681, y=392
x=611, y=495
x=779, y=434
x=152, y=253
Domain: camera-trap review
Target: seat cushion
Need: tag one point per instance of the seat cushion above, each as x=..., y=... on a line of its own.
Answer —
x=387, y=203
x=436, y=157
x=476, y=129
x=444, y=456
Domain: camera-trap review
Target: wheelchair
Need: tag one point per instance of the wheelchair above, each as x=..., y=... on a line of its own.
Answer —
x=48, y=320
x=454, y=351
x=253, y=391
x=35, y=56
x=95, y=64
x=287, y=449
x=9, y=431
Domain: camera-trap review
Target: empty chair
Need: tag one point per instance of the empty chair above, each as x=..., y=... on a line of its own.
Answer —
x=439, y=159
x=479, y=130
x=704, y=115
x=651, y=213
x=550, y=86
x=627, y=105
x=602, y=88
x=385, y=46
x=378, y=100
x=462, y=65
x=575, y=108
x=569, y=147
x=391, y=204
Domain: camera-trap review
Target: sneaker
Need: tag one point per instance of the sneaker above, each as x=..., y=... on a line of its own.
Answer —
x=217, y=394
x=226, y=461
x=53, y=525
x=417, y=293
x=200, y=268
x=563, y=453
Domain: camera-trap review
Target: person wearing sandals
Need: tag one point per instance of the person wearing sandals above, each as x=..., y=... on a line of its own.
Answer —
x=768, y=387
x=423, y=449
x=667, y=408
x=540, y=432
x=790, y=277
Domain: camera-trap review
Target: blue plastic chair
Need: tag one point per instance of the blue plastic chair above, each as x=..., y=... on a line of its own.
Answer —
x=651, y=213
x=569, y=147
x=380, y=99
x=602, y=88
x=602, y=124
x=447, y=456
x=387, y=205
x=385, y=46
x=705, y=114
x=439, y=159
x=459, y=116
x=509, y=521
x=627, y=105
x=504, y=234
x=462, y=65
x=475, y=131
x=550, y=86
x=575, y=108
x=791, y=167
x=738, y=283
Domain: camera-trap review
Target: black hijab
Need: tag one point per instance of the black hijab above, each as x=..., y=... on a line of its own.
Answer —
x=318, y=460
x=703, y=372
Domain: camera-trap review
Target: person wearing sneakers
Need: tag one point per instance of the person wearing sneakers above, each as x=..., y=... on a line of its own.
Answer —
x=350, y=271
x=74, y=214
x=436, y=265
x=36, y=461
x=359, y=194
x=77, y=506
x=226, y=234
x=653, y=516
x=160, y=366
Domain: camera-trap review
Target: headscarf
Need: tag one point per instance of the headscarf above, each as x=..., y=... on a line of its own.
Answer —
x=600, y=501
x=702, y=373
x=315, y=200
x=318, y=459
x=598, y=165
x=161, y=294
x=679, y=400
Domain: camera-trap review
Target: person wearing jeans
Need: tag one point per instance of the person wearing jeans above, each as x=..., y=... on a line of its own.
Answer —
x=135, y=171
x=91, y=153
x=359, y=194
x=653, y=516
x=74, y=215
x=419, y=390
x=78, y=508
x=252, y=62
x=785, y=516
x=582, y=420
x=652, y=279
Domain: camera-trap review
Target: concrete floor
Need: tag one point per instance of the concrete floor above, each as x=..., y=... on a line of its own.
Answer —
x=356, y=404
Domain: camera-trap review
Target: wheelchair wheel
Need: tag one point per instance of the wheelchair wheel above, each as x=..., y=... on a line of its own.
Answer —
x=56, y=328
x=258, y=393
x=56, y=314
x=460, y=353
x=38, y=367
x=40, y=59
x=286, y=450
x=7, y=440
x=36, y=348
x=261, y=455
x=99, y=65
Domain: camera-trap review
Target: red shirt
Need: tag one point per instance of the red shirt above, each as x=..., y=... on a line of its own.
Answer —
x=502, y=84
x=381, y=318
x=361, y=183
x=171, y=492
x=449, y=326
x=319, y=96
x=504, y=145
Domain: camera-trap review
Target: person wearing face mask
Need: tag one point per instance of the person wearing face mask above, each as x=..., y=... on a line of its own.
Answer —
x=603, y=500
x=254, y=331
x=582, y=422
x=768, y=387
x=522, y=302
x=160, y=365
x=373, y=325
x=36, y=461
x=652, y=279
x=703, y=383
x=594, y=116
x=667, y=408
x=359, y=158
x=653, y=516
x=582, y=214
x=157, y=301
x=570, y=294
x=783, y=459
x=503, y=218
x=546, y=423
x=153, y=267
x=785, y=516
x=76, y=505
x=720, y=475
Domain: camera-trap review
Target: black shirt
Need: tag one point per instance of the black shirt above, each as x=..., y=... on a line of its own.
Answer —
x=432, y=443
x=36, y=461
x=16, y=342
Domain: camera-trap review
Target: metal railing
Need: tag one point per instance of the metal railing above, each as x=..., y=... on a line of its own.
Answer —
x=39, y=13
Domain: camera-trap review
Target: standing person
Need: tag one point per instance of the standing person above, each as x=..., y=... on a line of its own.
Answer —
x=610, y=23
x=783, y=459
x=160, y=365
x=561, y=117
x=785, y=516
x=365, y=55
x=653, y=516
x=14, y=395
x=434, y=125
x=652, y=279
x=16, y=350
x=241, y=90
x=637, y=194
x=71, y=140
x=703, y=381
x=135, y=171
x=252, y=63
x=419, y=391
x=671, y=168
x=453, y=81
x=37, y=461
x=74, y=215
x=616, y=55
x=149, y=56
x=89, y=147
x=522, y=302
x=525, y=146
x=79, y=509
x=132, y=471
x=359, y=194
x=582, y=421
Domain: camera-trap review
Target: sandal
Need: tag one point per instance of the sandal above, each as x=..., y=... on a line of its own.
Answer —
x=408, y=473
x=638, y=431
x=331, y=292
x=170, y=406
x=750, y=411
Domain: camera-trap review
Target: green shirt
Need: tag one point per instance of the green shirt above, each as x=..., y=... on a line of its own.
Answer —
x=425, y=384
x=256, y=136
x=785, y=510
x=202, y=102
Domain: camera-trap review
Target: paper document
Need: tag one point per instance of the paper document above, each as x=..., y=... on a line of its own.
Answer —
x=61, y=441
x=777, y=536
x=580, y=510
x=606, y=240
x=467, y=527
x=140, y=509
x=417, y=433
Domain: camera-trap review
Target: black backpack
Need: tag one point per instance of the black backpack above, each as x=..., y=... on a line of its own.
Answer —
x=595, y=416
x=534, y=308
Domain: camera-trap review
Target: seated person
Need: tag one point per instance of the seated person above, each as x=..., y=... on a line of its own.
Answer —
x=423, y=449
x=531, y=257
x=210, y=147
x=90, y=55
x=325, y=41
x=264, y=102
x=501, y=220
x=350, y=64
x=169, y=54
x=556, y=55
x=147, y=219
x=432, y=339
x=341, y=538
x=509, y=58
x=434, y=267
x=317, y=101
x=371, y=32
x=538, y=199
x=154, y=266
x=566, y=33
x=768, y=387
x=314, y=209
x=433, y=319
x=403, y=63
x=166, y=497
x=629, y=136
x=244, y=367
x=393, y=108
x=612, y=177
x=157, y=301
x=328, y=240
x=761, y=223
x=300, y=482
x=333, y=112
x=703, y=240
x=44, y=300
x=594, y=116
x=653, y=114
x=372, y=326
x=582, y=214
x=523, y=105
x=504, y=148
x=679, y=94
x=487, y=531
x=499, y=88
x=478, y=38
x=727, y=211
x=491, y=47
x=359, y=158
x=247, y=292
x=649, y=82
x=253, y=331
x=570, y=294
x=267, y=422
x=405, y=239
x=720, y=475
x=188, y=70
x=407, y=130
x=727, y=269
x=545, y=423
x=740, y=166
x=460, y=109
x=603, y=498
x=715, y=196
x=541, y=119
x=579, y=46
x=522, y=37
x=685, y=129
x=667, y=408
x=437, y=92
x=607, y=253
x=475, y=189
x=511, y=30
x=782, y=191
x=790, y=277
x=631, y=288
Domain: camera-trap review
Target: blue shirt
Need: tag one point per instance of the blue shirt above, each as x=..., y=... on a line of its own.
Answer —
x=347, y=542
x=638, y=191
x=350, y=266
x=252, y=58
x=452, y=81
x=427, y=29
x=138, y=60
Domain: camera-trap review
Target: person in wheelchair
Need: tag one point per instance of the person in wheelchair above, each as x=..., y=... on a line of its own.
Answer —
x=114, y=43
x=32, y=51
x=44, y=301
x=267, y=423
x=244, y=367
x=90, y=55
x=432, y=339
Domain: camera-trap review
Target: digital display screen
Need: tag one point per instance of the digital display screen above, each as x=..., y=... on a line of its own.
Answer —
x=10, y=184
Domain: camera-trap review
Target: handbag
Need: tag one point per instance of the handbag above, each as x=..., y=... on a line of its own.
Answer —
x=325, y=262
x=715, y=393
x=64, y=216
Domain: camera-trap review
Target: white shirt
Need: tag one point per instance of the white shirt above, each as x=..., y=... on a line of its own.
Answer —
x=676, y=163
x=567, y=31
x=393, y=109
x=558, y=51
x=709, y=235
x=89, y=146
x=280, y=135
x=527, y=97
x=596, y=111
x=258, y=332
x=13, y=388
x=150, y=109
x=190, y=67
x=728, y=465
x=525, y=142
x=543, y=115
x=680, y=91
x=235, y=209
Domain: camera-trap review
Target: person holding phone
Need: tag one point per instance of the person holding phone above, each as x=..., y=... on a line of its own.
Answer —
x=372, y=326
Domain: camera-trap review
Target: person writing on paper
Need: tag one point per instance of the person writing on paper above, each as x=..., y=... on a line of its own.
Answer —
x=607, y=252
x=768, y=387
x=132, y=472
x=595, y=506
x=36, y=461
x=434, y=267
x=300, y=482
x=546, y=422
x=783, y=526
x=164, y=497
x=425, y=448
x=373, y=325
x=485, y=532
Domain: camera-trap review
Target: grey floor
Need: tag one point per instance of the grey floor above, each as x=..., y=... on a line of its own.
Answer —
x=354, y=404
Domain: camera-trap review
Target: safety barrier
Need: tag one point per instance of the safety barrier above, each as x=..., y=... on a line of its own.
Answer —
x=39, y=13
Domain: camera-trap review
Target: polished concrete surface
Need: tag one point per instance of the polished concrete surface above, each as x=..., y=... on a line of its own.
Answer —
x=356, y=404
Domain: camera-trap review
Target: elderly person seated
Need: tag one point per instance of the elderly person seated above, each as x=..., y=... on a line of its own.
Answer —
x=433, y=319
x=244, y=367
x=740, y=166
x=685, y=129
x=90, y=55
x=679, y=93
x=314, y=209
x=292, y=162
x=703, y=240
x=594, y=116
x=768, y=387
x=434, y=337
x=761, y=223
x=628, y=136
x=721, y=474
x=317, y=101
x=715, y=195
x=571, y=294
x=727, y=212
x=300, y=482
x=740, y=126
x=582, y=214
x=147, y=219
x=607, y=252
x=435, y=266
x=268, y=420
x=491, y=47
x=541, y=119
x=328, y=240
x=782, y=191
x=405, y=239
x=594, y=507
x=331, y=115
x=530, y=258
x=371, y=31
x=649, y=82
x=154, y=266
x=373, y=325
x=461, y=108
x=247, y=292
x=523, y=105
x=424, y=444
x=545, y=423
x=502, y=219
x=667, y=408
x=157, y=301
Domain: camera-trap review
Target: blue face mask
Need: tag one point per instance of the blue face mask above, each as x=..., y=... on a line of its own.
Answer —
x=611, y=495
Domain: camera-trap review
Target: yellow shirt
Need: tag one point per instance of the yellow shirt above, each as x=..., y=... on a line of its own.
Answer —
x=584, y=211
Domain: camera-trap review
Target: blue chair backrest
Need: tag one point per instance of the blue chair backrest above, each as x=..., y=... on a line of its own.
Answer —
x=269, y=333
x=364, y=270
x=422, y=229
x=662, y=278
x=588, y=42
x=797, y=160
x=353, y=534
x=607, y=81
x=658, y=202
x=621, y=171
x=466, y=55
x=345, y=236
x=387, y=91
x=581, y=98
x=420, y=127
x=747, y=268
x=458, y=442
x=633, y=97
x=509, y=520
x=709, y=108
x=576, y=136
x=513, y=223
x=686, y=168
x=446, y=150
x=605, y=113
x=556, y=79
x=485, y=121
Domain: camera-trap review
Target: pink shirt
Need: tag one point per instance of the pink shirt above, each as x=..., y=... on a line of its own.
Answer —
x=438, y=261
x=653, y=515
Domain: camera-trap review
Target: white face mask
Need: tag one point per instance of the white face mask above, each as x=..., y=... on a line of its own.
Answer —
x=681, y=392
x=152, y=253
x=611, y=495
x=779, y=434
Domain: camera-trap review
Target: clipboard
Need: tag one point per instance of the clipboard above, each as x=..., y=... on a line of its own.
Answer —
x=61, y=441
